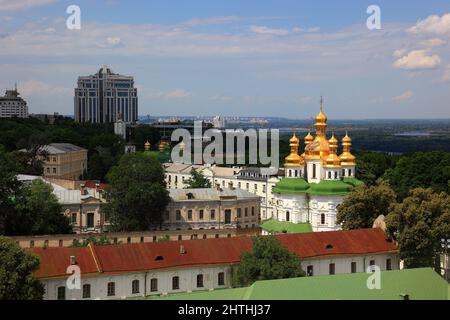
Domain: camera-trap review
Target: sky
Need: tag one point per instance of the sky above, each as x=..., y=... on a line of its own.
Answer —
x=236, y=58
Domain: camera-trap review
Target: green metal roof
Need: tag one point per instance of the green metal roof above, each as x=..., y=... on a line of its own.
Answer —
x=330, y=187
x=418, y=284
x=275, y=226
x=324, y=187
x=291, y=185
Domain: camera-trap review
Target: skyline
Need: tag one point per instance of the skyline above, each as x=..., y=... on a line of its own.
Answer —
x=257, y=60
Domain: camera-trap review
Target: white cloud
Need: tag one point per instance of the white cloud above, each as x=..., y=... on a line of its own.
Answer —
x=173, y=94
x=399, y=53
x=434, y=42
x=432, y=25
x=178, y=93
x=15, y=5
x=418, y=59
x=405, y=96
x=38, y=88
x=269, y=31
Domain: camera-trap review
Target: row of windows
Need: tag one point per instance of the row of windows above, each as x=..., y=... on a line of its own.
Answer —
x=212, y=214
x=135, y=287
x=353, y=267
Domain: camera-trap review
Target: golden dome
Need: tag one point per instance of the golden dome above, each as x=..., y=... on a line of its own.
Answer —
x=147, y=146
x=347, y=159
x=293, y=159
x=321, y=118
x=332, y=160
x=308, y=139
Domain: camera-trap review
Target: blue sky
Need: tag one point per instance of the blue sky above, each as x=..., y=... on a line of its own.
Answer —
x=236, y=58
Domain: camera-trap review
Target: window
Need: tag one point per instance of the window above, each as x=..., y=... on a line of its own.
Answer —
x=246, y=212
x=343, y=172
x=322, y=218
x=154, y=285
x=61, y=293
x=175, y=283
x=178, y=215
x=264, y=188
x=287, y=216
x=213, y=214
x=32, y=244
x=86, y=291
x=388, y=264
x=221, y=279
x=142, y=239
x=314, y=171
x=329, y=175
x=256, y=187
x=189, y=214
x=74, y=217
x=54, y=170
x=309, y=271
x=128, y=240
x=61, y=243
x=353, y=267
x=135, y=286
x=199, y=281
x=200, y=215
x=247, y=186
x=239, y=212
x=253, y=211
x=111, y=289
x=332, y=268
x=239, y=185
x=335, y=175
x=350, y=172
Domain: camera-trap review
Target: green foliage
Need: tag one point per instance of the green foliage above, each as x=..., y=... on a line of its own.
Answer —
x=98, y=241
x=137, y=194
x=364, y=204
x=418, y=224
x=197, y=180
x=16, y=269
x=143, y=133
x=370, y=166
x=38, y=212
x=267, y=260
x=9, y=187
x=420, y=170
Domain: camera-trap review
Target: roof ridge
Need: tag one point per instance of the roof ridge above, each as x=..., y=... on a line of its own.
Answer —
x=95, y=257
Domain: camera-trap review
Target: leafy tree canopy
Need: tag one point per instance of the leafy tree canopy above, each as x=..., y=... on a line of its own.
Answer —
x=137, y=194
x=364, y=204
x=419, y=223
x=197, y=180
x=16, y=273
x=267, y=260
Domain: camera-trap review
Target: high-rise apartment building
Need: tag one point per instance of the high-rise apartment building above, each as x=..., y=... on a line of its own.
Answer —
x=11, y=105
x=102, y=97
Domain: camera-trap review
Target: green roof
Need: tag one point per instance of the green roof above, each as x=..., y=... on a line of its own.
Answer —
x=275, y=226
x=418, y=284
x=291, y=185
x=330, y=187
x=324, y=187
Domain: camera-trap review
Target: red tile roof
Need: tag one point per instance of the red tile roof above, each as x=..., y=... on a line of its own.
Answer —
x=149, y=256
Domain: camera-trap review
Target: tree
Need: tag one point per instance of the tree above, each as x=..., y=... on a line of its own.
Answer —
x=420, y=170
x=197, y=180
x=418, y=224
x=16, y=273
x=38, y=212
x=364, y=204
x=9, y=187
x=267, y=260
x=372, y=165
x=137, y=194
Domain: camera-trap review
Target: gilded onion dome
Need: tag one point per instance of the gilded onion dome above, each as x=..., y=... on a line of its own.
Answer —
x=347, y=159
x=319, y=148
x=333, y=160
x=147, y=146
x=308, y=139
x=293, y=159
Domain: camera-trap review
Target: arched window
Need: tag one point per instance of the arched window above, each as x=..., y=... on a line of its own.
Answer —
x=135, y=286
x=199, y=281
x=314, y=171
x=335, y=175
x=221, y=279
x=86, y=291
x=322, y=218
x=154, y=285
x=329, y=174
x=111, y=289
x=175, y=283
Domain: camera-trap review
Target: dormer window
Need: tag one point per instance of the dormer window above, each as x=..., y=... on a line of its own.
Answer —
x=329, y=246
x=159, y=258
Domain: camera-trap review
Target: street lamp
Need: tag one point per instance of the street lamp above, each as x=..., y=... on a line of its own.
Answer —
x=445, y=244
